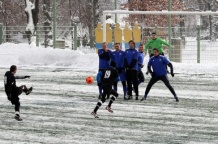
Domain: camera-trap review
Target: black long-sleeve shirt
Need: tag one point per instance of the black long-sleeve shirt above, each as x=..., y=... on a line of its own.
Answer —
x=10, y=82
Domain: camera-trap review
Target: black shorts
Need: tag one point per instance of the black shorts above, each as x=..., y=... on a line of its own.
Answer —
x=15, y=94
x=107, y=88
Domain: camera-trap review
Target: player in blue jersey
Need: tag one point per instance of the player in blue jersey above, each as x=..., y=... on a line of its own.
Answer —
x=104, y=62
x=131, y=65
x=141, y=57
x=118, y=58
x=158, y=64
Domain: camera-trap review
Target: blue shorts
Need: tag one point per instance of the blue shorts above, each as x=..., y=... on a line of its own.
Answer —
x=122, y=76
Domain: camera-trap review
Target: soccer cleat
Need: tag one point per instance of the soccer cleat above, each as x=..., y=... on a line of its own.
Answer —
x=137, y=98
x=109, y=109
x=129, y=97
x=94, y=114
x=177, y=100
x=125, y=98
x=29, y=90
x=144, y=98
x=99, y=97
x=17, y=117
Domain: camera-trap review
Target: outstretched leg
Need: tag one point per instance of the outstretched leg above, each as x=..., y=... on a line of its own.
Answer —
x=113, y=98
x=152, y=81
x=168, y=85
x=101, y=101
x=23, y=88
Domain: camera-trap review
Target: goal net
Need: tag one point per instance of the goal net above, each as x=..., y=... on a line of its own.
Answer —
x=192, y=35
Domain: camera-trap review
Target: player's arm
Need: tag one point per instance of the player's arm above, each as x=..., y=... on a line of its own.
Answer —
x=147, y=46
x=101, y=54
x=125, y=63
x=108, y=54
x=149, y=67
x=8, y=83
x=171, y=68
x=99, y=76
x=104, y=54
x=134, y=60
x=21, y=77
x=140, y=64
x=165, y=43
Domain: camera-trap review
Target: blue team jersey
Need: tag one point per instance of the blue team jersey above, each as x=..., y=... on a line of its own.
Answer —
x=118, y=57
x=159, y=65
x=131, y=54
x=104, y=62
x=141, y=59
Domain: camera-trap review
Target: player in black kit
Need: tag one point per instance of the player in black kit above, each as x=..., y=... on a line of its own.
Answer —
x=109, y=77
x=12, y=91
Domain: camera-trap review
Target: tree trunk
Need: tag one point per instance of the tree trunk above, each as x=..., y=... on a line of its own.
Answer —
x=94, y=21
x=47, y=22
x=35, y=13
x=34, y=16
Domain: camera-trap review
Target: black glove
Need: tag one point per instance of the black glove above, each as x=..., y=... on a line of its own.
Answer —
x=141, y=65
x=152, y=74
x=26, y=76
x=9, y=97
x=172, y=74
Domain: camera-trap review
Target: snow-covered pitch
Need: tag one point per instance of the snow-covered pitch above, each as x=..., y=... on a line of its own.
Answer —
x=58, y=110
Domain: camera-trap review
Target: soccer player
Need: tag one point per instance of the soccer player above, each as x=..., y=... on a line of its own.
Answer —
x=118, y=58
x=158, y=64
x=141, y=57
x=12, y=91
x=104, y=62
x=109, y=76
x=131, y=65
x=157, y=43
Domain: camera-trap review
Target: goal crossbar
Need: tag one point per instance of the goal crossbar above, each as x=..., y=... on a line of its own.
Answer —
x=164, y=12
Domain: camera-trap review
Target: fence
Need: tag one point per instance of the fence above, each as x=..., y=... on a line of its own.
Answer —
x=17, y=34
x=189, y=44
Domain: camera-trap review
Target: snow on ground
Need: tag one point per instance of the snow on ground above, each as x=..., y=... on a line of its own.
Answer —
x=30, y=56
x=58, y=110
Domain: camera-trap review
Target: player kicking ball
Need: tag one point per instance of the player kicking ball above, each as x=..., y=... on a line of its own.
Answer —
x=109, y=77
x=12, y=91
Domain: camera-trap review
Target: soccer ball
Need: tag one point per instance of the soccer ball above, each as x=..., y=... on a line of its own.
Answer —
x=89, y=80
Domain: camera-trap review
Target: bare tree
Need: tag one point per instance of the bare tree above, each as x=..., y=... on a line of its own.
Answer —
x=31, y=11
x=152, y=5
x=47, y=22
